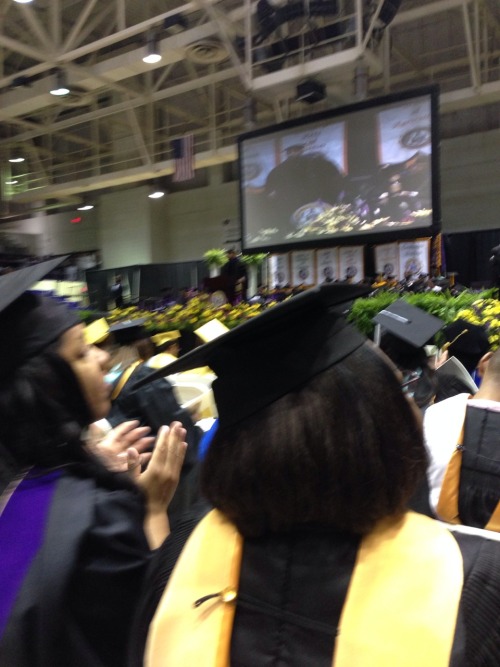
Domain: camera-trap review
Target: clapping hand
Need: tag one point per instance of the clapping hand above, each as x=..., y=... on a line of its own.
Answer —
x=160, y=479
x=123, y=444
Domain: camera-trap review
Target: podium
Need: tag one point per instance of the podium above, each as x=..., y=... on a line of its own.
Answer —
x=223, y=284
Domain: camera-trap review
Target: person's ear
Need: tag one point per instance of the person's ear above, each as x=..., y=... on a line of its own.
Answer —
x=483, y=363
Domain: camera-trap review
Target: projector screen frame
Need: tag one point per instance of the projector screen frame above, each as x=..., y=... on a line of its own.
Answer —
x=388, y=235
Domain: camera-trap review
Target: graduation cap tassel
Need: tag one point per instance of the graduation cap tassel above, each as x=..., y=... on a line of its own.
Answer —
x=226, y=595
x=450, y=343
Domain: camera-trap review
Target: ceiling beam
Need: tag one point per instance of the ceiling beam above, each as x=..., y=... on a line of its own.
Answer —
x=167, y=93
x=24, y=50
x=425, y=11
x=124, y=177
x=36, y=28
x=79, y=24
x=109, y=40
x=224, y=26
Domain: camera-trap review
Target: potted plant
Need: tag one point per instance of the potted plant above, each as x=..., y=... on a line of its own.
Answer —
x=215, y=258
x=253, y=262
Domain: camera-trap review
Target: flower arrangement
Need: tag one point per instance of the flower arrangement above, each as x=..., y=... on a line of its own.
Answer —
x=471, y=306
x=485, y=312
x=198, y=311
x=215, y=257
x=254, y=260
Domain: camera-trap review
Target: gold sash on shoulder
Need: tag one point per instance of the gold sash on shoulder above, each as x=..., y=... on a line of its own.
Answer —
x=401, y=606
x=447, y=507
x=402, y=602
x=124, y=378
x=182, y=635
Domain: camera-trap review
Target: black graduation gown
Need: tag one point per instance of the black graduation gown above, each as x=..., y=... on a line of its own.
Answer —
x=77, y=599
x=233, y=270
x=292, y=589
x=479, y=489
x=154, y=405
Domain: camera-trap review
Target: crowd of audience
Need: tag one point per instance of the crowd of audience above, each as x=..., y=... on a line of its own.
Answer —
x=345, y=512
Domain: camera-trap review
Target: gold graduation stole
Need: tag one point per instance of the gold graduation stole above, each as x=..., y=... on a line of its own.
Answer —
x=402, y=602
x=447, y=507
x=182, y=635
x=123, y=379
x=401, y=605
x=161, y=360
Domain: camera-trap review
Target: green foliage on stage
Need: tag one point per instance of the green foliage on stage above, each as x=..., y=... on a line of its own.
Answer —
x=256, y=259
x=476, y=307
x=441, y=304
x=215, y=257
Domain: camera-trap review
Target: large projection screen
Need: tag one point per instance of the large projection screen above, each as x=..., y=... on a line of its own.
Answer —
x=364, y=173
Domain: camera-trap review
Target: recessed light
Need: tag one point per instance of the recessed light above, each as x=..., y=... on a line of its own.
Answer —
x=61, y=85
x=152, y=58
x=59, y=92
x=153, y=54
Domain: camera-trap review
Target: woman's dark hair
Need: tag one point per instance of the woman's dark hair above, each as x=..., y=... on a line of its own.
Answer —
x=343, y=452
x=145, y=348
x=43, y=413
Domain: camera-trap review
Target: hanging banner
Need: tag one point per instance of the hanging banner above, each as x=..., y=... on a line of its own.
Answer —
x=303, y=272
x=387, y=259
x=405, y=131
x=278, y=271
x=351, y=263
x=413, y=258
x=327, y=265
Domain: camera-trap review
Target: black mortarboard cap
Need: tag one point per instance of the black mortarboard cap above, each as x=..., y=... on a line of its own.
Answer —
x=409, y=323
x=29, y=322
x=15, y=283
x=276, y=352
x=466, y=341
x=463, y=336
x=129, y=331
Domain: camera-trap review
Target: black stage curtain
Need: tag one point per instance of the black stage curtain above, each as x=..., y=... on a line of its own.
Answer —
x=468, y=254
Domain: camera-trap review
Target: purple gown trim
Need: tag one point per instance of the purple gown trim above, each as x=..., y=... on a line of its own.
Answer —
x=22, y=526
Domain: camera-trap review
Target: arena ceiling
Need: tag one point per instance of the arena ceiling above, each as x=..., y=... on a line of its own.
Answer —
x=227, y=66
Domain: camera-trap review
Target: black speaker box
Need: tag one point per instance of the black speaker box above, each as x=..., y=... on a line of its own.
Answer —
x=310, y=91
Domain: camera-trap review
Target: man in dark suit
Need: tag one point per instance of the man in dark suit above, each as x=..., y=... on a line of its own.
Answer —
x=117, y=292
x=495, y=265
x=235, y=272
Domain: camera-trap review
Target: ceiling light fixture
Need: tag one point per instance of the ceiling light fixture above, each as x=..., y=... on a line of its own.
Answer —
x=153, y=54
x=11, y=182
x=85, y=207
x=156, y=194
x=23, y=2
x=155, y=190
x=16, y=159
x=61, y=87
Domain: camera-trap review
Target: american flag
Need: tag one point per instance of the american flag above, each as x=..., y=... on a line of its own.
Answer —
x=183, y=158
